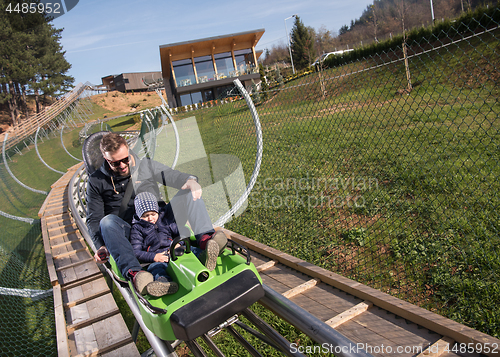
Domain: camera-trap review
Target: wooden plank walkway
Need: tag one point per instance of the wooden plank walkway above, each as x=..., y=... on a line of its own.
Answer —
x=88, y=322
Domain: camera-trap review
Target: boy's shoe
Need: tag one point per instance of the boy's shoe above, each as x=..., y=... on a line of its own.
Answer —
x=141, y=279
x=211, y=254
x=162, y=287
x=221, y=240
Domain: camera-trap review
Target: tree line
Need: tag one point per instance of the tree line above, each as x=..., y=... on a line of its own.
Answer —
x=32, y=60
x=379, y=21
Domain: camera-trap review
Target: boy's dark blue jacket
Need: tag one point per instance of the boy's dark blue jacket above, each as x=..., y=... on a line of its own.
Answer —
x=148, y=239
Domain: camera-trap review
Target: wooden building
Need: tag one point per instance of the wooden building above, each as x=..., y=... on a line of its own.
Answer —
x=203, y=70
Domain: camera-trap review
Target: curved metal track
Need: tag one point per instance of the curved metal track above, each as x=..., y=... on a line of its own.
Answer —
x=40, y=157
x=10, y=172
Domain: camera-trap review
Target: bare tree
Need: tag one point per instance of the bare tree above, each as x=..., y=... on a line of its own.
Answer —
x=374, y=20
x=278, y=53
x=323, y=41
x=401, y=8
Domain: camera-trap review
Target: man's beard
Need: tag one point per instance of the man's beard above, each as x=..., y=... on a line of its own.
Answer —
x=119, y=172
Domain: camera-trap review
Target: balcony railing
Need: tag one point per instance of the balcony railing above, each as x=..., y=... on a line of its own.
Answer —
x=244, y=70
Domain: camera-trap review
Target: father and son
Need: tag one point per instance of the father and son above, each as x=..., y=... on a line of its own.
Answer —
x=135, y=226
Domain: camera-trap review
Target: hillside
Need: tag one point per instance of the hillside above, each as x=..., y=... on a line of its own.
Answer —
x=5, y=119
x=112, y=103
x=121, y=103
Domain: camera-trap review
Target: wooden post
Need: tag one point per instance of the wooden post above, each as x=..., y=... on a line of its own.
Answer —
x=194, y=66
x=407, y=66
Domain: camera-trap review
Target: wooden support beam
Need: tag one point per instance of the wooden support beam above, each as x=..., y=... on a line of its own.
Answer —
x=61, y=335
x=67, y=254
x=267, y=265
x=55, y=246
x=301, y=288
x=254, y=56
x=349, y=314
x=101, y=351
x=73, y=303
x=56, y=220
x=71, y=328
x=233, y=44
x=63, y=234
x=82, y=281
x=56, y=224
x=61, y=227
x=57, y=215
x=172, y=67
x=48, y=254
x=57, y=202
x=213, y=58
x=194, y=66
x=75, y=264
x=438, y=348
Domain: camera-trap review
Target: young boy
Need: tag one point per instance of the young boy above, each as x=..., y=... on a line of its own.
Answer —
x=151, y=236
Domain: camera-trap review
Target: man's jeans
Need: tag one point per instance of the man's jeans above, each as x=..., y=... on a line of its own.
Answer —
x=115, y=233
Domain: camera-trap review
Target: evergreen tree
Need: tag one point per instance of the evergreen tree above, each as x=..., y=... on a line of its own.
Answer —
x=15, y=58
x=50, y=78
x=302, y=45
x=31, y=58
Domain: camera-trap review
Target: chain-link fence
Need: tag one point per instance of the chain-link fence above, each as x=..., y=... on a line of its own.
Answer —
x=33, y=158
x=384, y=167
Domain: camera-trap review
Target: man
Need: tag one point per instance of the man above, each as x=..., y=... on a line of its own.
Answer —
x=109, y=216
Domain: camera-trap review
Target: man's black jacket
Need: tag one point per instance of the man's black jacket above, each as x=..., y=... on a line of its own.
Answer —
x=102, y=184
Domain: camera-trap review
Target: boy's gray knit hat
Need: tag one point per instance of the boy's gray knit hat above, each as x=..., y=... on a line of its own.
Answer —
x=144, y=202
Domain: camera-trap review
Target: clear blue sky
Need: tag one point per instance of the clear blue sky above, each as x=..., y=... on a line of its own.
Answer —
x=103, y=37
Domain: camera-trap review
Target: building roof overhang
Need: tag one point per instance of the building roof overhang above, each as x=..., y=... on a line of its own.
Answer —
x=207, y=46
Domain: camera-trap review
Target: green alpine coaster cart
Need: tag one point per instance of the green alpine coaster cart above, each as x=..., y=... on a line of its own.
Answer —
x=204, y=299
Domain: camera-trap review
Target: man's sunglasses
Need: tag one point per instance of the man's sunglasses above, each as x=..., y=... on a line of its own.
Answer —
x=118, y=162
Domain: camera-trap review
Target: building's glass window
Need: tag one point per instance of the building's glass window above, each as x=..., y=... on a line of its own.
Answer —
x=191, y=98
x=209, y=95
x=186, y=99
x=184, y=72
x=196, y=97
x=226, y=91
x=204, y=69
x=224, y=63
x=244, y=61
